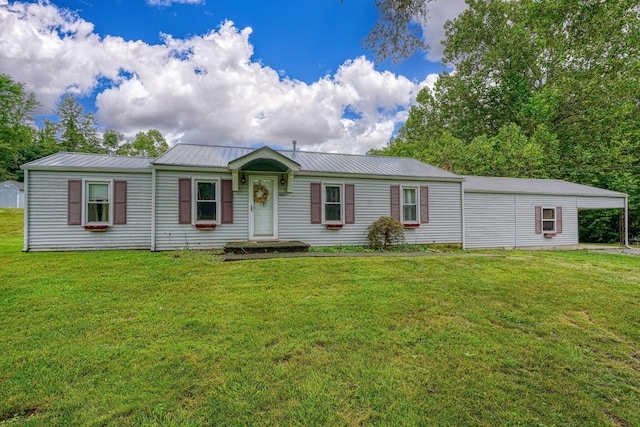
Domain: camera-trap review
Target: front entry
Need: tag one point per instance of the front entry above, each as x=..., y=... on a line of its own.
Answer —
x=263, y=208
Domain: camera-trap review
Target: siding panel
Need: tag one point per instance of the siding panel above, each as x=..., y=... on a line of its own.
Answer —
x=47, y=214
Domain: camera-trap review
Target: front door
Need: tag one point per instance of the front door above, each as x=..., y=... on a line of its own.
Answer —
x=263, y=208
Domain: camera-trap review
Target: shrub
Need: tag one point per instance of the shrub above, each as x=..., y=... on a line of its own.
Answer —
x=385, y=232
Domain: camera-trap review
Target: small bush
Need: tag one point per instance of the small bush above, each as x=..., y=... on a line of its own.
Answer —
x=385, y=232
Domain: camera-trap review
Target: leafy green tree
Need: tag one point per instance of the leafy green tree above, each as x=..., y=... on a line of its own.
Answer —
x=77, y=130
x=17, y=133
x=541, y=88
x=146, y=144
x=111, y=141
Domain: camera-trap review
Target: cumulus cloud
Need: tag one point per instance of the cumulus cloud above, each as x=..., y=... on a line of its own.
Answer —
x=202, y=89
x=440, y=11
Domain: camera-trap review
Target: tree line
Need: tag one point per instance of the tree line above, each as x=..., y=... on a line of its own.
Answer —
x=541, y=89
x=21, y=140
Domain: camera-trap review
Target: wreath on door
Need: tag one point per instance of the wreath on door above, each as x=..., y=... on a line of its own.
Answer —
x=260, y=194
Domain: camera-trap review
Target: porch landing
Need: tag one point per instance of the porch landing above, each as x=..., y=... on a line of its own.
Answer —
x=253, y=247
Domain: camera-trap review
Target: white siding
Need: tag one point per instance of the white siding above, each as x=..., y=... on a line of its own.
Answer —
x=489, y=220
x=585, y=202
x=372, y=200
x=47, y=214
x=508, y=220
x=171, y=236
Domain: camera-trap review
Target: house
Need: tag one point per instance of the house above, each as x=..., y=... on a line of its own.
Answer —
x=11, y=194
x=203, y=196
x=527, y=213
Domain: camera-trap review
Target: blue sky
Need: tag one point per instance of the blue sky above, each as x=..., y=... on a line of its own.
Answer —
x=220, y=72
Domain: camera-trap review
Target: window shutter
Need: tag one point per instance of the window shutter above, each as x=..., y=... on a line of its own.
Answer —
x=119, y=202
x=424, y=204
x=74, y=202
x=558, y=219
x=226, y=194
x=538, y=219
x=316, y=203
x=184, y=200
x=349, y=204
x=395, y=202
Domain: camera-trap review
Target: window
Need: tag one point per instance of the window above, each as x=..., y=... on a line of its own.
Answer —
x=206, y=202
x=333, y=203
x=98, y=206
x=549, y=220
x=409, y=205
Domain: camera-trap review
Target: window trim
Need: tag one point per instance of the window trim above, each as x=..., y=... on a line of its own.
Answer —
x=194, y=201
x=416, y=188
x=85, y=201
x=324, y=203
x=554, y=220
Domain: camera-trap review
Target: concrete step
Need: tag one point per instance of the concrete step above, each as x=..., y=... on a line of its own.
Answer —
x=265, y=247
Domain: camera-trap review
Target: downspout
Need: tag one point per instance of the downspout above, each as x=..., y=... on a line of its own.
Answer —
x=25, y=247
x=153, y=210
x=462, y=214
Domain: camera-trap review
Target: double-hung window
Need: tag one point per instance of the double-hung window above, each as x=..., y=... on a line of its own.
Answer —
x=206, y=200
x=410, y=205
x=333, y=210
x=549, y=220
x=97, y=203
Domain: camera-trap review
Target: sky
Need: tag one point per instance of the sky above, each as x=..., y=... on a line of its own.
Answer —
x=221, y=72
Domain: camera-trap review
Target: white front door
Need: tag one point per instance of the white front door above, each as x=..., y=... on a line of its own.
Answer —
x=263, y=208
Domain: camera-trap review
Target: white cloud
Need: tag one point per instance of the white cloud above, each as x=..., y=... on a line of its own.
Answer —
x=202, y=89
x=170, y=2
x=440, y=11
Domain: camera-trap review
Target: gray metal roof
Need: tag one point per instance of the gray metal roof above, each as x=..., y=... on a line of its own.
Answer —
x=66, y=160
x=219, y=157
x=483, y=184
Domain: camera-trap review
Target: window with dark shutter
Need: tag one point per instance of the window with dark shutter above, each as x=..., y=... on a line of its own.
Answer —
x=184, y=200
x=316, y=203
x=227, y=201
x=349, y=204
x=395, y=202
x=120, y=202
x=74, y=202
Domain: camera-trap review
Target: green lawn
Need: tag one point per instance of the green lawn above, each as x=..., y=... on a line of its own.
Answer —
x=179, y=338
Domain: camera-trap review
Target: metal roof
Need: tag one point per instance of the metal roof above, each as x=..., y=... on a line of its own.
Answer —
x=66, y=160
x=483, y=184
x=219, y=157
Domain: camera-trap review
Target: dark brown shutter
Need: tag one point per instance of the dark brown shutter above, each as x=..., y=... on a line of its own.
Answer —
x=119, y=202
x=395, y=202
x=558, y=219
x=316, y=203
x=226, y=194
x=184, y=200
x=424, y=204
x=538, y=219
x=349, y=204
x=74, y=202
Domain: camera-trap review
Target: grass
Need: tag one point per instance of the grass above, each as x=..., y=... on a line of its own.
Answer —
x=179, y=338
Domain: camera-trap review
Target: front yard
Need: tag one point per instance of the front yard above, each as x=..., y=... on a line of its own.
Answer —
x=180, y=338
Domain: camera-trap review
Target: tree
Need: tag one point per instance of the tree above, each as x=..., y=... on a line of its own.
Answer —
x=17, y=133
x=146, y=144
x=397, y=33
x=76, y=130
x=541, y=88
x=111, y=141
